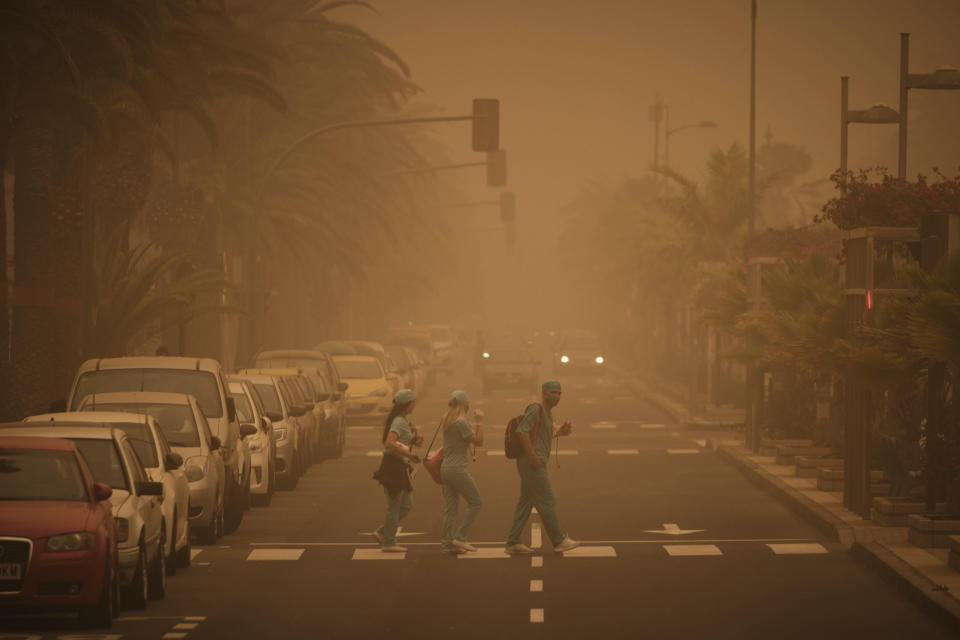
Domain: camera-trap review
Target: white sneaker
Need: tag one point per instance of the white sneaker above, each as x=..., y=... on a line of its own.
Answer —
x=466, y=546
x=394, y=548
x=567, y=544
x=455, y=551
x=379, y=538
x=518, y=549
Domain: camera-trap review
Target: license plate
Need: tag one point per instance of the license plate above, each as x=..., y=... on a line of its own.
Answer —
x=9, y=571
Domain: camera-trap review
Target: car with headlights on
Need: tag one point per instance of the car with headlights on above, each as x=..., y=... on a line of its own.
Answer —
x=510, y=367
x=579, y=352
x=57, y=532
x=135, y=500
x=277, y=405
x=184, y=427
x=263, y=449
x=368, y=397
x=161, y=463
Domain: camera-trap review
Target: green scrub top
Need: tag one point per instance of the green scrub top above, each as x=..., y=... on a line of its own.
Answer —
x=404, y=432
x=455, y=443
x=544, y=441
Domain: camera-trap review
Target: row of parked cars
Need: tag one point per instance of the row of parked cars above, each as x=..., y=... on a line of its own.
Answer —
x=102, y=498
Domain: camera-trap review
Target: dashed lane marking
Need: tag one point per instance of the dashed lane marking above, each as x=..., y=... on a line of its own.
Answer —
x=682, y=452
x=692, y=550
x=536, y=615
x=797, y=549
x=174, y=636
x=536, y=538
x=591, y=552
x=495, y=453
x=195, y=618
x=484, y=553
x=536, y=585
x=186, y=626
x=603, y=425
x=701, y=443
x=623, y=452
x=567, y=452
x=377, y=554
x=651, y=427
x=374, y=454
x=275, y=554
x=536, y=561
x=202, y=564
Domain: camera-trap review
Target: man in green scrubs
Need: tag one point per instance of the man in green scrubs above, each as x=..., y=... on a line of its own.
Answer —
x=535, y=490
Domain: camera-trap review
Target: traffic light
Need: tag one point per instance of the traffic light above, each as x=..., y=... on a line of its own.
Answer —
x=508, y=206
x=486, y=124
x=496, y=168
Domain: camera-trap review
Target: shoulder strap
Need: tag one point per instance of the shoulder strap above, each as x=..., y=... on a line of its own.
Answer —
x=430, y=446
x=536, y=427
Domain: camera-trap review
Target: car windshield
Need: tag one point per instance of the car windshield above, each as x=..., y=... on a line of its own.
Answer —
x=32, y=474
x=142, y=441
x=288, y=363
x=104, y=462
x=269, y=397
x=175, y=420
x=200, y=384
x=441, y=334
x=365, y=369
x=509, y=355
x=242, y=402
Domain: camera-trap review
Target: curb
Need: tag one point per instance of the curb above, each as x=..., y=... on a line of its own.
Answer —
x=816, y=514
x=678, y=413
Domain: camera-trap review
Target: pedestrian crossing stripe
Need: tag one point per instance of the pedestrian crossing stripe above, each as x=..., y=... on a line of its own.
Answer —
x=650, y=427
x=591, y=552
x=275, y=554
x=377, y=554
x=603, y=425
x=536, y=615
x=495, y=453
x=485, y=553
x=372, y=454
x=681, y=452
x=692, y=550
x=797, y=549
x=622, y=452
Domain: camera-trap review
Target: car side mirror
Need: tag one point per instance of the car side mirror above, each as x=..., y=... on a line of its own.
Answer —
x=323, y=397
x=247, y=429
x=101, y=491
x=58, y=406
x=150, y=488
x=173, y=461
x=231, y=410
x=309, y=405
x=343, y=386
x=296, y=411
x=274, y=416
x=215, y=443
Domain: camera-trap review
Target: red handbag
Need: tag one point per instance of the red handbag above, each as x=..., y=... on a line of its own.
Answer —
x=432, y=464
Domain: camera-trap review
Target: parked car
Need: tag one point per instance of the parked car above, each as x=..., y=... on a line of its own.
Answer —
x=202, y=378
x=186, y=430
x=399, y=364
x=369, y=396
x=162, y=464
x=278, y=409
x=135, y=499
x=510, y=367
x=57, y=532
x=306, y=360
x=579, y=352
x=419, y=339
x=442, y=338
x=263, y=449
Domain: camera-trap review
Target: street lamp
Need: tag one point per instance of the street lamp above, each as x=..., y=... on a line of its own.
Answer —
x=706, y=124
x=877, y=114
x=943, y=79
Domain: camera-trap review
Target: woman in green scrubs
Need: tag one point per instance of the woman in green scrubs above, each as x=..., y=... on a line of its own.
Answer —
x=399, y=436
x=458, y=435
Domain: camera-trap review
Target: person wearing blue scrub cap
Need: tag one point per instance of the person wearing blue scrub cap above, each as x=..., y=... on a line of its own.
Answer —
x=399, y=437
x=458, y=435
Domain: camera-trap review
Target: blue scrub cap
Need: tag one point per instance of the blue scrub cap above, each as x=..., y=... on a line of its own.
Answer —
x=404, y=396
x=458, y=398
x=550, y=385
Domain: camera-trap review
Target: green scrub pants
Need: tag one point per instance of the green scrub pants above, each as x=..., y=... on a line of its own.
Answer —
x=457, y=482
x=535, y=491
x=398, y=506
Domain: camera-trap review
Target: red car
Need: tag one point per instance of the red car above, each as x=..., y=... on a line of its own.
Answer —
x=57, y=533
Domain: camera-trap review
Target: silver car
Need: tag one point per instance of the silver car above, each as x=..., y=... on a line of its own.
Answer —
x=263, y=447
x=136, y=502
x=284, y=426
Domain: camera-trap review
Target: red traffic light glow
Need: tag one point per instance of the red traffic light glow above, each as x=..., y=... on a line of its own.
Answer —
x=869, y=299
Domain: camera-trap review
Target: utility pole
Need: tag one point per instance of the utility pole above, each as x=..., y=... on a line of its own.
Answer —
x=753, y=115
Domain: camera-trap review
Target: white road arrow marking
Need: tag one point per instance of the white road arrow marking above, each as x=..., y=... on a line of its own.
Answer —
x=672, y=529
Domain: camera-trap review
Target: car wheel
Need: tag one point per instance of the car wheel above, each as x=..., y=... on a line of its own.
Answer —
x=171, y=561
x=182, y=557
x=101, y=615
x=136, y=593
x=157, y=587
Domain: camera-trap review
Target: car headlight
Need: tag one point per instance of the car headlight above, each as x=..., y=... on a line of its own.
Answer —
x=256, y=444
x=486, y=355
x=71, y=541
x=599, y=359
x=380, y=393
x=564, y=359
x=196, y=468
x=123, y=529
x=281, y=432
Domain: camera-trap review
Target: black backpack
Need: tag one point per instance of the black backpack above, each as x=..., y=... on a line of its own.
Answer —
x=511, y=443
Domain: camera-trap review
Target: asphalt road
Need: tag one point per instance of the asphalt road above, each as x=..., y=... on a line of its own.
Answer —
x=676, y=544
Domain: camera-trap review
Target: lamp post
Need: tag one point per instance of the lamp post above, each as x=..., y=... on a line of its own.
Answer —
x=877, y=114
x=943, y=79
x=706, y=124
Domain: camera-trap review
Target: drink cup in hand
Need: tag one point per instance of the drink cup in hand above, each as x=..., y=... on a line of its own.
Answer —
x=478, y=415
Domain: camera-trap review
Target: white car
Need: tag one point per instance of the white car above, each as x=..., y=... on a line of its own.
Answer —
x=162, y=464
x=263, y=448
x=285, y=426
x=184, y=426
x=136, y=502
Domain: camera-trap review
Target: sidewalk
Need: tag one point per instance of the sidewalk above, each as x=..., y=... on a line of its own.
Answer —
x=923, y=574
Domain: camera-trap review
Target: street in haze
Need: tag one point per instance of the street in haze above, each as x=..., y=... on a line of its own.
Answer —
x=676, y=544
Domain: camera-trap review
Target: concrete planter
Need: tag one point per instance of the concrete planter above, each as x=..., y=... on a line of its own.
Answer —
x=932, y=531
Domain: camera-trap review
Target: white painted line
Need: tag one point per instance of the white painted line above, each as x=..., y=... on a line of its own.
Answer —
x=591, y=552
x=701, y=443
x=682, y=452
x=692, y=550
x=536, y=561
x=224, y=546
x=495, y=453
x=603, y=425
x=536, y=615
x=797, y=549
x=536, y=538
x=484, y=553
x=374, y=454
x=195, y=552
x=275, y=554
x=186, y=626
x=359, y=428
x=173, y=636
x=653, y=426
x=195, y=618
x=202, y=564
x=567, y=452
x=536, y=585
x=376, y=554
x=623, y=452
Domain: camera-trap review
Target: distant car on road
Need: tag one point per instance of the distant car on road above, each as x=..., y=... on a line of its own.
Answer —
x=579, y=352
x=510, y=367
